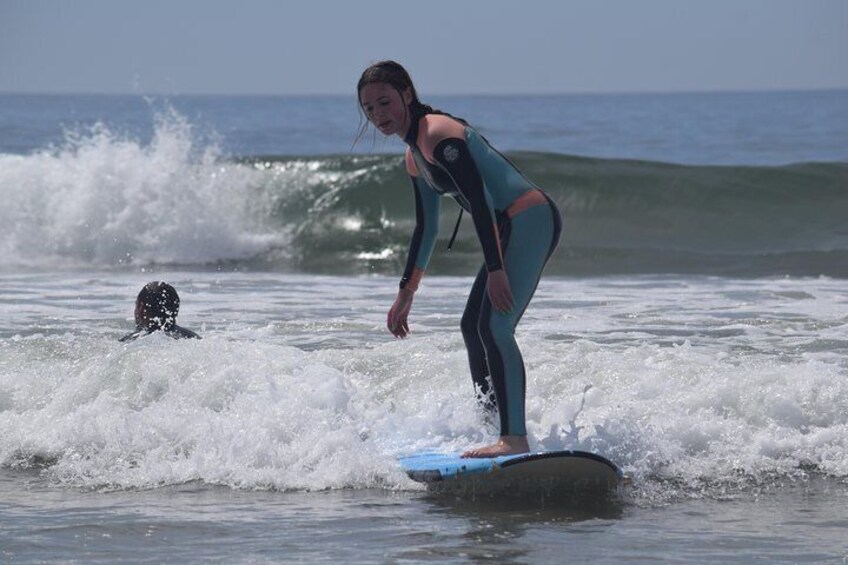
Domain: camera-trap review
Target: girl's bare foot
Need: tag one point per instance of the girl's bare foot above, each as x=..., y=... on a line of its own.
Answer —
x=507, y=445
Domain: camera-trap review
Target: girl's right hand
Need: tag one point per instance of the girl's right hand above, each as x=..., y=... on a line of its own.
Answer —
x=397, y=320
x=499, y=291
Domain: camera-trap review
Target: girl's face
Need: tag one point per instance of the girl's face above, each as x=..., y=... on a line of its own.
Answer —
x=386, y=108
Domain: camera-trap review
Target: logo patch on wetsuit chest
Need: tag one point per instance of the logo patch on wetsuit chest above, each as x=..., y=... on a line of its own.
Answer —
x=451, y=152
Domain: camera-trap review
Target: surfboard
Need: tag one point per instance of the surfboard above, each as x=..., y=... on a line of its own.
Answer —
x=576, y=471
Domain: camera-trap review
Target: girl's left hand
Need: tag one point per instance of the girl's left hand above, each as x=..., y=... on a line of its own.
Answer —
x=499, y=292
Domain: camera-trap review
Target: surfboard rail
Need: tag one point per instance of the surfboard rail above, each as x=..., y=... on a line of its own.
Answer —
x=559, y=466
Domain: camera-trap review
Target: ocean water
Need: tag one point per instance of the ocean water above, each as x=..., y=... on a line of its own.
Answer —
x=693, y=327
x=272, y=183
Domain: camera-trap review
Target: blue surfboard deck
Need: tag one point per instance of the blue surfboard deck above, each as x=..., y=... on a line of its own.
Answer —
x=576, y=468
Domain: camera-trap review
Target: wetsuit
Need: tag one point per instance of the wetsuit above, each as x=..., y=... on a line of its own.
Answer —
x=174, y=331
x=518, y=226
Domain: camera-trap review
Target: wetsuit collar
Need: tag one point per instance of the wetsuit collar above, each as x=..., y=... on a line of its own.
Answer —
x=415, y=115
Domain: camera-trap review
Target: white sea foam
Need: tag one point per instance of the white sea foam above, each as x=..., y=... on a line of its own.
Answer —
x=108, y=200
x=725, y=402
x=162, y=412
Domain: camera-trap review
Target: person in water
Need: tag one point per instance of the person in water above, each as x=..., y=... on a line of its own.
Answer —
x=517, y=224
x=156, y=308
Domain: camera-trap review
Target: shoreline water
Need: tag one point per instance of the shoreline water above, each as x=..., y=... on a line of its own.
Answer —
x=803, y=521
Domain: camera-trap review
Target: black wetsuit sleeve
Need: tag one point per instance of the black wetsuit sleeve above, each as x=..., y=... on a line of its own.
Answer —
x=426, y=229
x=180, y=332
x=131, y=337
x=454, y=156
x=176, y=332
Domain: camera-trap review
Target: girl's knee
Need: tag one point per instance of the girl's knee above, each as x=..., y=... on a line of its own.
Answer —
x=498, y=332
x=469, y=327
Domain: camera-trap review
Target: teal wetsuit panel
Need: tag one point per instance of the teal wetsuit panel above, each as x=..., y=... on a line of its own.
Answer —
x=426, y=223
x=503, y=182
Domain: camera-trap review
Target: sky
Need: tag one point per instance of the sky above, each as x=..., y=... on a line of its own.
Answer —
x=281, y=47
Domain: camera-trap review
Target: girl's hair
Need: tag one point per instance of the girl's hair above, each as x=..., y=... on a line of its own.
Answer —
x=391, y=73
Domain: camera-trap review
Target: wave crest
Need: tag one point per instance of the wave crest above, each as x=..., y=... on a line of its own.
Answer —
x=107, y=200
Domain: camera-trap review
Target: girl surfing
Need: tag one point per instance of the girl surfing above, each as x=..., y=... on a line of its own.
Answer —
x=517, y=224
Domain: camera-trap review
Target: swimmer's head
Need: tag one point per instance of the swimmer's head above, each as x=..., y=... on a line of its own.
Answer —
x=156, y=307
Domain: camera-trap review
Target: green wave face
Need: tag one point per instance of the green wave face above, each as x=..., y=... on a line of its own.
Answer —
x=355, y=215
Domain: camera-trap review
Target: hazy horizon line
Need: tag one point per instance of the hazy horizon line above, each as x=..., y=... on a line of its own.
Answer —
x=445, y=94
